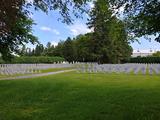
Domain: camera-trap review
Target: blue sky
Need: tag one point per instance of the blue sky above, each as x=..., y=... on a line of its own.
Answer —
x=49, y=29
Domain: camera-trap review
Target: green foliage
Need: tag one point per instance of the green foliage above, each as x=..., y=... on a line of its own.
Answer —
x=18, y=35
x=58, y=50
x=39, y=50
x=16, y=24
x=49, y=50
x=68, y=50
x=110, y=37
x=1, y=61
x=65, y=8
x=157, y=54
x=84, y=49
x=49, y=45
x=34, y=59
x=142, y=16
x=148, y=59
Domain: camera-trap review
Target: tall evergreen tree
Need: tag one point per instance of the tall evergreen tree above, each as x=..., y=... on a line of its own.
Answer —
x=108, y=33
x=39, y=50
x=68, y=50
x=49, y=45
x=58, y=51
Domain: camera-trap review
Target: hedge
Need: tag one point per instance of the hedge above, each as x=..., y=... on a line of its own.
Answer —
x=145, y=60
x=1, y=61
x=39, y=59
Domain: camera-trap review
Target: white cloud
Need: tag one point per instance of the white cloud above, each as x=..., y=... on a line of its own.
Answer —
x=44, y=28
x=55, y=31
x=48, y=29
x=91, y=4
x=79, y=28
x=29, y=1
x=54, y=43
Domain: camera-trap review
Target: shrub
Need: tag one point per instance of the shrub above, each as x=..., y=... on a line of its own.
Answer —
x=33, y=59
x=149, y=59
x=1, y=61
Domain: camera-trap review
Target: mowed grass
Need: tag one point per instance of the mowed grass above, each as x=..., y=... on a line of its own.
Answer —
x=55, y=69
x=75, y=96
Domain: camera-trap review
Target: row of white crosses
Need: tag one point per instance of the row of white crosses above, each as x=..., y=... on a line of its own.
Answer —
x=119, y=68
x=11, y=69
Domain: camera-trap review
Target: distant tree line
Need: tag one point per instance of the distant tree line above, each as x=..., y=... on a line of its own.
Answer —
x=33, y=60
x=141, y=17
x=79, y=49
x=154, y=58
x=108, y=43
x=16, y=23
x=147, y=59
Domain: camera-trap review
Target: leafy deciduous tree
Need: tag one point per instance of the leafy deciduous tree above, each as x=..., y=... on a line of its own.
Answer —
x=16, y=26
x=142, y=16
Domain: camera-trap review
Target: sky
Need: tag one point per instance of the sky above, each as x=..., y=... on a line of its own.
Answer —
x=49, y=29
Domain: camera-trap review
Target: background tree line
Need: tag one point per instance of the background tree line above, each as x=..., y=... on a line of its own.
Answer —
x=108, y=43
x=141, y=18
x=78, y=49
x=16, y=23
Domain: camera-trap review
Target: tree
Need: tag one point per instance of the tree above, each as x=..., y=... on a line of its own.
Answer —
x=23, y=50
x=10, y=10
x=49, y=50
x=120, y=43
x=84, y=48
x=16, y=26
x=49, y=45
x=157, y=54
x=142, y=16
x=33, y=52
x=110, y=41
x=65, y=7
x=39, y=50
x=68, y=50
x=17, y=36
x=29, y=52
x=99, y=16
x=58, y=51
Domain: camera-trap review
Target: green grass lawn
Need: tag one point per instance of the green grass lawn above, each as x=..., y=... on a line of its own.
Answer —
x=55, y=69
x=75, y=96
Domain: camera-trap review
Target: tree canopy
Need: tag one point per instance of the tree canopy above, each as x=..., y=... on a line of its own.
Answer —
x=16, y=25
x=110, y=37
x=142, y=16
x=108, y=43
x=18, y=34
